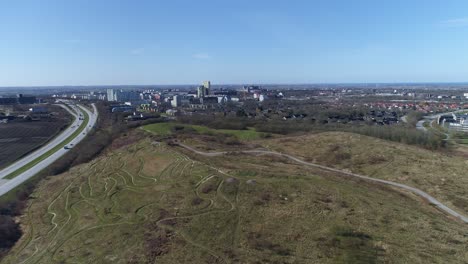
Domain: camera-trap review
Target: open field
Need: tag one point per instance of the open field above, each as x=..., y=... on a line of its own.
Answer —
x=53, y=150
x=148, y=202
x=19, y=138
x=168, y=129
x=441, y=175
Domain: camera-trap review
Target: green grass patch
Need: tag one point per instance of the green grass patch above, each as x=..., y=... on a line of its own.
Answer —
x=162, y=129
x=51, y=151
x=165, y=129
x=460, y=139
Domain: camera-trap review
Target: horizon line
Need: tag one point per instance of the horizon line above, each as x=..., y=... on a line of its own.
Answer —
x=230, y=84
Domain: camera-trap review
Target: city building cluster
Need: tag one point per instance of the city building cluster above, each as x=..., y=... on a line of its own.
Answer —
x=382, y=104
x=174, y=101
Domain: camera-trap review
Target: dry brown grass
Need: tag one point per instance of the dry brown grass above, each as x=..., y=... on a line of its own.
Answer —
x=229, y=209
x=439, y=174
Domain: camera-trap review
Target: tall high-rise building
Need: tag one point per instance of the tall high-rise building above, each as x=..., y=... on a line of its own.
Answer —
x=175, y=101
x=111, y=95
x=204, y=89
x=207, y=85
x=201, y=91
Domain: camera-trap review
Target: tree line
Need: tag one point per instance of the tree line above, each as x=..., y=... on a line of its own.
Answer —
x=398, y=133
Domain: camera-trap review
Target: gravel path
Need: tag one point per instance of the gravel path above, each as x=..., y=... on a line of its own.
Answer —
x=416, y=191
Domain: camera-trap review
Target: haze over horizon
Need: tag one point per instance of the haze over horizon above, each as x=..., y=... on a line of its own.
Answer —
x=53, y=43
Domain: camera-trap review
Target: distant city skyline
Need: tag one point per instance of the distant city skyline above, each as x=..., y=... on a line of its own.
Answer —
x=75, y=43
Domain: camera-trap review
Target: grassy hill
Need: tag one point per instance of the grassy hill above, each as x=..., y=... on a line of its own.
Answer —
x=149, y=202
x=440, y=174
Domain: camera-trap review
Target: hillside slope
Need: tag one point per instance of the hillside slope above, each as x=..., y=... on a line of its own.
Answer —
x=441, y=175
x=149, y=202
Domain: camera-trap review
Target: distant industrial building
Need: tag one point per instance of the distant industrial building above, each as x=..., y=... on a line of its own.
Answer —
x=39, y=110
x=128, y=97
x=457, y=122
x=204, y=103
x=209, y=100
x=182, y=100
x=19, y=99
x=88, y=96
x=172, y=112
x=8, y=100
x=250, y=89
x=122, y=109
x=26, y=99
x=223, y=99
x=123, y=96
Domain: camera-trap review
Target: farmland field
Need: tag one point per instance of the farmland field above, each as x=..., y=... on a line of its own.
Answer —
x=19, y=138
x=148, y=202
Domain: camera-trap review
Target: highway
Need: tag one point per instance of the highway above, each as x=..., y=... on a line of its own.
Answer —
x=8, y=184
x=414, y=190
x=431, y=118
x=420, y=125
x=404, y=119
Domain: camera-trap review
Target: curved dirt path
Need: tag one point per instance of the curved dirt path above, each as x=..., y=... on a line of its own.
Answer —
x=416, y=191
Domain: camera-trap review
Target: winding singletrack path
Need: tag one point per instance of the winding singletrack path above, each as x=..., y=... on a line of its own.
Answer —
x=416, y=191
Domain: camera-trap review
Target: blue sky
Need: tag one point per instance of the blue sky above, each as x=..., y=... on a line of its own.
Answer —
x=100, y=42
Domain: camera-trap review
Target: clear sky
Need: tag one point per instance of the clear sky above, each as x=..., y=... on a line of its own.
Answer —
x=99, y=42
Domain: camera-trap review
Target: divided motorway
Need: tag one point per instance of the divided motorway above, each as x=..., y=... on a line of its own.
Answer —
x=23, y=167
x=430, y=118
